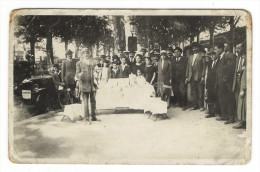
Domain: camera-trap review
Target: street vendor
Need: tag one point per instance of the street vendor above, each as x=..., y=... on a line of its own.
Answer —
x=85, y=72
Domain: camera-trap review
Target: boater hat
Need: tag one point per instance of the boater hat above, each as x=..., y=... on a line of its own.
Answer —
x=84, y=50
x=163, y=52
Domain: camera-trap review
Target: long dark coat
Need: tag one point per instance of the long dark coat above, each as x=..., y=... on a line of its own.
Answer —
x=211, y=82
x=68, y=71
x=85, y=73
x=225, y=73
x=165, y=72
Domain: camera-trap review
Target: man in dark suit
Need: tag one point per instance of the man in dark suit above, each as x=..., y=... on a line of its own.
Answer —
x=179, y=65
x=225, y=74
x=68, y=71
x=195, y=73
x=164, y=72
x=124, y=68
x=211, y=83
x=170, y=54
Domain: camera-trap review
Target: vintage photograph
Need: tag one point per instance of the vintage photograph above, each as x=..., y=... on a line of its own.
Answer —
x=96, y=86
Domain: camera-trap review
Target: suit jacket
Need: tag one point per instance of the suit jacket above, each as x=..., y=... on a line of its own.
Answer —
x=236, y=73
x=225, y=71
x=56, y=80
x=179, y=69
x=197, y=71
x=114, y=74
x=124, y=73
x=85, y=73
x=211, y=76
x=68, y=71
x=165, y=72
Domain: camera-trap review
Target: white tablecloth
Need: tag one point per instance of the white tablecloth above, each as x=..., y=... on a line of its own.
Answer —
x=119, y=93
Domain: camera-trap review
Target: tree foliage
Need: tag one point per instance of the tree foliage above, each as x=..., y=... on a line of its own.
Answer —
x=85, y=30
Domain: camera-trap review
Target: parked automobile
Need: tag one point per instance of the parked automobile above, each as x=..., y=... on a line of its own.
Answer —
x=37, y=92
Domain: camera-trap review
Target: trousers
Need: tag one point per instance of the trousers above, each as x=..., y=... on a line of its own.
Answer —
x=92, y=97
x=196, y=93
x=180, y=93
x=226, y=101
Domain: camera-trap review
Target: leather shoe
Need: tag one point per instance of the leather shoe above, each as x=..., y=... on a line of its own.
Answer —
x=194, y=108
x=220, y=119
x=240, y=126
x=95, y=119
x=229, y=121
x=209, y=116
x=202, y=109
x=184, y=108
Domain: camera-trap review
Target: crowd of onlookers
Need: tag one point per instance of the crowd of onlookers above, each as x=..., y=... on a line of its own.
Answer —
x=215, y=80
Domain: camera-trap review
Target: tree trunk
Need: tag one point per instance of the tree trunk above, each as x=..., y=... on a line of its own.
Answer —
x=32, y=46
x=66, y=44
x=198, y=38
x=232, y=34
x=211, y=36
x=97, y=50
x=119, y=32
x=49, y=48
x=77, y=49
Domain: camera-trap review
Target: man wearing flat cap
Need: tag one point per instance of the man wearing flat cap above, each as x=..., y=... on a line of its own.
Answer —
x=178, y=77
x=87, y=85
x=195, y=73
x=68, y=71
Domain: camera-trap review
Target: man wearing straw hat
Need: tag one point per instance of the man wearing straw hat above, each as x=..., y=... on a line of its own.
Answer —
x=195, y=73
x=85, y=72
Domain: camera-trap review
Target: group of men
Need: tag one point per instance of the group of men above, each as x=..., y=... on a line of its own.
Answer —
x=216, y=79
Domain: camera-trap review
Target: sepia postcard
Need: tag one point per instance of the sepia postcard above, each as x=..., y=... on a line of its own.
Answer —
x=121, y=86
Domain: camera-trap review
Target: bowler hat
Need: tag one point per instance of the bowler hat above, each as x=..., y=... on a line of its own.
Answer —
x=156, y=51
x=211, y=51
x=68, y=52
x=178, y=48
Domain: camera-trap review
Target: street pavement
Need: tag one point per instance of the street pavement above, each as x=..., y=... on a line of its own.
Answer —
x=128, y=138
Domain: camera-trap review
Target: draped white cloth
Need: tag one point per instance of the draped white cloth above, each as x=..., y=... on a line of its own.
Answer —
x=132, y=93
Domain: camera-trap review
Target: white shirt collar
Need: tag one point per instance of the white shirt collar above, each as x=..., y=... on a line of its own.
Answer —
x=222, y=55
x=115, y=70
